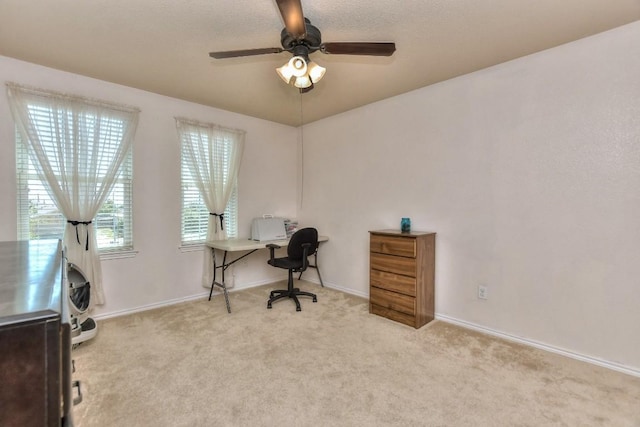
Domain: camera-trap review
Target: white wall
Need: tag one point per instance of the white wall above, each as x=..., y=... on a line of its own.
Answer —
x=160, y=271
x=530, y=174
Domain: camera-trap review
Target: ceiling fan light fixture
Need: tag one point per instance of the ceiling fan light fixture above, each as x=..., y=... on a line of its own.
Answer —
x=298, y=66
x=301, y=71
x=316, y=72
x=303, y=82
x=285, y=72
x=295, y=68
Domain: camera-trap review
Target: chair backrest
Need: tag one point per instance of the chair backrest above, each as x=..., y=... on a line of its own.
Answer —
x=304, y=235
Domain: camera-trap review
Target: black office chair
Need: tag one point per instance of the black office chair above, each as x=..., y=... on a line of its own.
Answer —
x=303, y=243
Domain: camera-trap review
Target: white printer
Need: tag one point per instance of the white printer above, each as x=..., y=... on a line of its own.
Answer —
x=263, y=229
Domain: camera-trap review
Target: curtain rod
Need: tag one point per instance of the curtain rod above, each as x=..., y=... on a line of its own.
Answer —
x=184, y=120
x=72, y=97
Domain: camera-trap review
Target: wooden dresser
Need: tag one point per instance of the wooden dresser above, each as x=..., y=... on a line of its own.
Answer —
x=35, y=336
x=401, y=277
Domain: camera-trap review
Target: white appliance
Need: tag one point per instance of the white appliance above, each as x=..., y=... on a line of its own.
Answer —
x=263, y=229
x=79, y=297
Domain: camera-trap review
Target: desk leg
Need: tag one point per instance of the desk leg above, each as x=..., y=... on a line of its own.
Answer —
x=213, y=282
x=222, y=284
x=315, y=265
x=315, y=257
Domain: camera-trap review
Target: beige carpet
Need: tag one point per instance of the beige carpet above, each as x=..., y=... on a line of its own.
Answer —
x=333, y=364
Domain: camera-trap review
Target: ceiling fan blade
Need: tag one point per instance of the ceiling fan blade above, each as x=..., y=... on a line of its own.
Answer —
x=291, y=11
x=246, y=52
x=359, y=48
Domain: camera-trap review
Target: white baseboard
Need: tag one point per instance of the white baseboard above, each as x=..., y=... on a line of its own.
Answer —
x=595, y=361
x=346, y=290
x=150, y=306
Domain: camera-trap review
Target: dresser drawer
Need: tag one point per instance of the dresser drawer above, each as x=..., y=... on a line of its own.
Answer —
x=393, y=315
x=393, y=282
x=392, y=300
x=399, y=246
x=393, y=264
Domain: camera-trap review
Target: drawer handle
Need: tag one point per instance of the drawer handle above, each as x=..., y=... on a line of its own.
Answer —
x=77, y=400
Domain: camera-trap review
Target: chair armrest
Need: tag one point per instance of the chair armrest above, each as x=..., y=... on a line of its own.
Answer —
x=272, y=247
x=305, y=255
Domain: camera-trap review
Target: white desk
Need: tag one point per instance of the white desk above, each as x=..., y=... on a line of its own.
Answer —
x=249, y=246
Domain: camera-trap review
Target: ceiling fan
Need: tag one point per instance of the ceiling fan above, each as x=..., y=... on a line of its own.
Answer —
x=301, y=38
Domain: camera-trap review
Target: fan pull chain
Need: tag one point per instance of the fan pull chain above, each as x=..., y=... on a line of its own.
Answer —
x=301, y=153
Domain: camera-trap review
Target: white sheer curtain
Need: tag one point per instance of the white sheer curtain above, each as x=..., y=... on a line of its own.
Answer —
x=212, y=154
x=77, y=146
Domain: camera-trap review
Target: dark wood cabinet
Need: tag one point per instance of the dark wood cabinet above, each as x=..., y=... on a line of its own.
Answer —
x=401, y=276
x=35, y=342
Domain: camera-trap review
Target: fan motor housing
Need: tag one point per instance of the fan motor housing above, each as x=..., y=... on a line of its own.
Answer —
x=311, y=39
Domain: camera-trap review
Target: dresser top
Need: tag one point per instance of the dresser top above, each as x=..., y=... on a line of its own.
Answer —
x=391, y=232
x=30, y=278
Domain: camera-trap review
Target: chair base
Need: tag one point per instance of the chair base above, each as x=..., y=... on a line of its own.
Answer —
x=290, y=292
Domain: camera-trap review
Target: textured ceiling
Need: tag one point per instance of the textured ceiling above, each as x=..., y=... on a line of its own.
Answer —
x=162, y=45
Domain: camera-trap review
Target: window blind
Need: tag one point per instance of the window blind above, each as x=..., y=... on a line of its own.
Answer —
x=38, y=215
x=195, y=215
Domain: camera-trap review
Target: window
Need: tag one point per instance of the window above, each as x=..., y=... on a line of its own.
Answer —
x=195, y=215
x=39, y=218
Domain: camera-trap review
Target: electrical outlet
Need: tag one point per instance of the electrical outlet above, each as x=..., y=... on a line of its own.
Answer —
x=483, y=292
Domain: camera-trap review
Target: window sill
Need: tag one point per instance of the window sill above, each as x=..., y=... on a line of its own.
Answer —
x=191, y=248
x=118, y=254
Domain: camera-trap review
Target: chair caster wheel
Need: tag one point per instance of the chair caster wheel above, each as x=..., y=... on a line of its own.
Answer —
x=315, y=299
x=268, y=305
x=298, y=309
